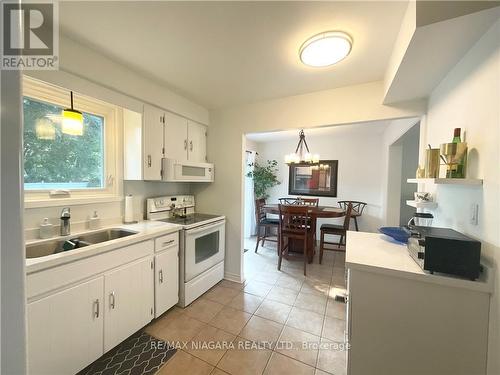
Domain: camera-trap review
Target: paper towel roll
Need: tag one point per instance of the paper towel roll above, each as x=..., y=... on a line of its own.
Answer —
x=129, y=209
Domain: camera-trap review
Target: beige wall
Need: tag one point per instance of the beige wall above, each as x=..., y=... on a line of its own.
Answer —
x=226, y=144
x=469, y=98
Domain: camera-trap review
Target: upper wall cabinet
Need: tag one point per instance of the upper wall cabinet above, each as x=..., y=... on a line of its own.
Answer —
x=158, y=134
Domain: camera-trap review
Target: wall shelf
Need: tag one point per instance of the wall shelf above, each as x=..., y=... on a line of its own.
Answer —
x=416, y=204
x=446, y=181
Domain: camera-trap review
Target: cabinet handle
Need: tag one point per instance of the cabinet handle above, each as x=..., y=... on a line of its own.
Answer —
x=112, y=300
x=191, y=146
x=96, y=308
x=149, y=161
x=185, y=144
x=160, y=274
x=165, y=244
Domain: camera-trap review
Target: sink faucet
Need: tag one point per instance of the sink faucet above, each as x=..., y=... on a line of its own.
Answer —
x=65, y=224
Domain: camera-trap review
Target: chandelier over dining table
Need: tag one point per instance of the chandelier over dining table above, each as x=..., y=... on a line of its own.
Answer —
x=302, y=153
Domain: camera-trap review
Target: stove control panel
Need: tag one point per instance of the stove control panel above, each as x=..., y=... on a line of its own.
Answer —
x=168, y=203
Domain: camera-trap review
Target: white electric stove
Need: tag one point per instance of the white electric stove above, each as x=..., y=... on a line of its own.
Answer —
x=202, y=243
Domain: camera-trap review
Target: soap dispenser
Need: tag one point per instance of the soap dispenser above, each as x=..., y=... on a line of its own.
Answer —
x=46, y=229
x=95, y=221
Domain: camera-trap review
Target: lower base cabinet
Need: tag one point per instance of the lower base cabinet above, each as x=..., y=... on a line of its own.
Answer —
x=166, y=280
x=129, y=298
x=65, y=329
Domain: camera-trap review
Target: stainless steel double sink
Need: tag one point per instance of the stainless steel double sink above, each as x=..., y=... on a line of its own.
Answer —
x=37, y=250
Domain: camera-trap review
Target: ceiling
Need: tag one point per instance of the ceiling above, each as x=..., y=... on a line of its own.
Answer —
x=222, y=54
x=364, y=128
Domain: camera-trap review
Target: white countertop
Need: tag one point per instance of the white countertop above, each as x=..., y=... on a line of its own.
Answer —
x=146, y=230
x=378, y=253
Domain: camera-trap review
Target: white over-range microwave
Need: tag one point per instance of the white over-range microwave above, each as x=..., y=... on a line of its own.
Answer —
x=187, y=171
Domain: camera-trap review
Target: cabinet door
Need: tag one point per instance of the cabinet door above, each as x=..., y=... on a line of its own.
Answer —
x=65, y=329
x=129, y=298
x=152, y=142
x=176, y=137
x=166, y=280
x=197, y=147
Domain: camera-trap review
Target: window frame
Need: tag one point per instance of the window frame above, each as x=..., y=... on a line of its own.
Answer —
x=52, y=94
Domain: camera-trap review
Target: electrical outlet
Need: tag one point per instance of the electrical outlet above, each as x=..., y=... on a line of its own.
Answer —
x=474, y=211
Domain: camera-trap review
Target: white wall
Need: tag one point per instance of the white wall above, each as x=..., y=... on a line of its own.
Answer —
x=358, y=149
x=469, y=98
x=409, y=164
x=227, y=134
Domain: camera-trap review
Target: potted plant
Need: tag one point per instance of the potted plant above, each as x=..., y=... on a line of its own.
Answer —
x=264, y=177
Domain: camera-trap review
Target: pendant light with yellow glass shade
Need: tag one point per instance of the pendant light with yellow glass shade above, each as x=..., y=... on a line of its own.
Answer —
x=72, y=120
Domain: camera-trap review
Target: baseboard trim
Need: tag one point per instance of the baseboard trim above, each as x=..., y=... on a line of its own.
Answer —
x=233, y=277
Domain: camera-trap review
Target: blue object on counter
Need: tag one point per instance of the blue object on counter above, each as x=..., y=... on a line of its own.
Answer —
x=398, y=233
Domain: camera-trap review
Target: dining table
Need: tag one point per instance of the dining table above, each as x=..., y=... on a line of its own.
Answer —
x=315, y=212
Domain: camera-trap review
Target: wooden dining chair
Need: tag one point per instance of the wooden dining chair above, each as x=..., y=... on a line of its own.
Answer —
x=312, y=202
x=264, y=224
x=357, y=210
x=339, y=230
x=293, y=224
x=288, y=201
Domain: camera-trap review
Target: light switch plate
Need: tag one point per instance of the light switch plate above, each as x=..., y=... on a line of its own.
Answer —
x=474, y=211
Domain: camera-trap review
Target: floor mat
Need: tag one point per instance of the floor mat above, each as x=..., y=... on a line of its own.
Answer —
x=140, y=354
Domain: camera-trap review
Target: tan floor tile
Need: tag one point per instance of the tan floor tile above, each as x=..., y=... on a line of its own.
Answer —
x=336, y=309
x=332, y=358
x=244, y=360
x=246, y=302
x=266, y=277
x=163, y=320
x=203, y=309
x=311, y=302
x=231, y=284
x=283, y=295
x=210, y=344
x=338, y=280
x=181, y=328
x=218, y=371
x=296, y=338
x=221, y=294
x=282, y=365
x=230, y=320
x=317, y=372
x=272, y=310
x=290, y=282
x=262, y=330
x=257, y=288
x=184, y=363
x=305, y=320
x=333, y=329
x=315, y=287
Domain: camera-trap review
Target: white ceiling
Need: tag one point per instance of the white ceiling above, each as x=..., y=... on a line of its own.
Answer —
x=370, y=127
x=228, y=53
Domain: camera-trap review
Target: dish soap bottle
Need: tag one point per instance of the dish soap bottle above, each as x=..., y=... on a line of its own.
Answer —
x=95, y=221
x=46, y=229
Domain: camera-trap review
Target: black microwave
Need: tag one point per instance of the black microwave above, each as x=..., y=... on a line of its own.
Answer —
x=445, y=251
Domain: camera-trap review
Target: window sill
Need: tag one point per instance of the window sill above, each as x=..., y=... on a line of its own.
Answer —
x=72, y=201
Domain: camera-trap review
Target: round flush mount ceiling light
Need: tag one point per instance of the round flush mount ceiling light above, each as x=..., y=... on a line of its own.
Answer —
x=325, y=49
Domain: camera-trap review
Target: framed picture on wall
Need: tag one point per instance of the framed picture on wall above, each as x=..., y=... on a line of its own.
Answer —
x=318, y=179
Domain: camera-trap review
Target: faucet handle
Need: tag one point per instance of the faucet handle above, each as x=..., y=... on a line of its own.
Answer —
x=66, y=212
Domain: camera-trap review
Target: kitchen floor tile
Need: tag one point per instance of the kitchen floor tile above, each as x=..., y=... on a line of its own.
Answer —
x=336, y=309
x=290, y=282
x=230, y=320
x=272, y=310
x=305, y=320
x=246, y=302
x=311, y=302
x=221, y=294
x=203, y=309
x=181, y=328
x=210, y=344
x=257, y=288
x=244, y=359
x=282, y=365
x=184, y=363
x=163, y=320
x=283, y=295
x=262, y=330
x=333, y=329
x=298, y=345
x=218, y=371
x=231, y=284
x=332, y=358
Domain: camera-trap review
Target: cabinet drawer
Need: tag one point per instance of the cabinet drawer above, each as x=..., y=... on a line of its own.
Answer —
x=166, y=242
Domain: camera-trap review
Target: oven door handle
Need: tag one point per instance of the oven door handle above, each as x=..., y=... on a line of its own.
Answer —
x=204, y=228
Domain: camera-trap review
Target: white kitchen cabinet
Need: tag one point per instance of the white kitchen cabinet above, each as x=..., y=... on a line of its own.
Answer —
x=166, y=280
x=176, y=137
x=65, y=329
x=129, y=299
x=197, y=147
x=153, y=131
